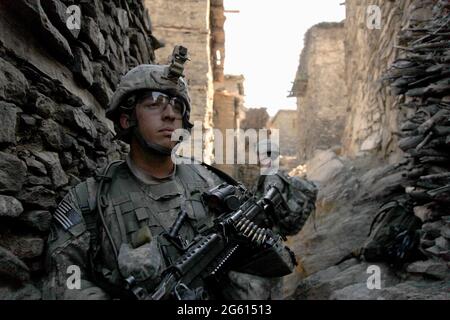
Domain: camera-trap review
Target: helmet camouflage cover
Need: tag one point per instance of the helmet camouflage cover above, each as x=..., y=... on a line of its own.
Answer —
x=168, y=79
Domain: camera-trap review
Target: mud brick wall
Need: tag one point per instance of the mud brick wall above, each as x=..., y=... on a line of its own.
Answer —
x=321, y=91
x=373, y=116
x=198, y=25
x=55, y=84
x=286, y=122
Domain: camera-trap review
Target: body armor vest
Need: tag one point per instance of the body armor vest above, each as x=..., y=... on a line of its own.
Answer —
x=137, y=214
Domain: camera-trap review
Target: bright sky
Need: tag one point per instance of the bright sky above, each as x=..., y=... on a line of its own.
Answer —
x=264, y=40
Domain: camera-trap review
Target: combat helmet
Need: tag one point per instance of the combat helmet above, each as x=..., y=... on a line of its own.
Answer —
x=167, y=79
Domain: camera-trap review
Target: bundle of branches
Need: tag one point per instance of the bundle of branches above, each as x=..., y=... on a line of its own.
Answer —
x=421, y=79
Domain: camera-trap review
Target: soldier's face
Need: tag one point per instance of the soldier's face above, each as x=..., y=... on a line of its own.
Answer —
x=157, y=124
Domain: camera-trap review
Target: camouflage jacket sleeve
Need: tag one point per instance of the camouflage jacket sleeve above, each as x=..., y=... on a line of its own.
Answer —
x=67, y=255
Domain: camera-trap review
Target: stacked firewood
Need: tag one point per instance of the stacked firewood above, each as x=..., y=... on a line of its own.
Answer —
x=421, y=79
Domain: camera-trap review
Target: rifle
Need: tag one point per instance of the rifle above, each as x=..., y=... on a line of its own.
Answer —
x=216, y=250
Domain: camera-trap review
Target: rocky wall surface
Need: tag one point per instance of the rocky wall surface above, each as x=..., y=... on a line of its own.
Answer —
x=55, y=84
x=329, y=247
x=412, y=255
x=320, y=89
x=420, y=80
x=373, y=117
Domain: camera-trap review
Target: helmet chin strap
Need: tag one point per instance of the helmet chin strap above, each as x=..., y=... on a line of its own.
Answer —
x=150, y=146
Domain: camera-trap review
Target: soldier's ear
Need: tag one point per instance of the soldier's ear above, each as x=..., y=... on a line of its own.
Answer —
x=124, y=121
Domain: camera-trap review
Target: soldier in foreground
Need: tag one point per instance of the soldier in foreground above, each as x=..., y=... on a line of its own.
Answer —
x=147, y=227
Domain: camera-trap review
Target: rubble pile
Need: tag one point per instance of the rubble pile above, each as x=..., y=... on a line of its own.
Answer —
x=421, y=79
x=300, y=171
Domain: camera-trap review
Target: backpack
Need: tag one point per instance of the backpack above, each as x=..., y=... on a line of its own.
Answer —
x=300, y=197
x=394, y=234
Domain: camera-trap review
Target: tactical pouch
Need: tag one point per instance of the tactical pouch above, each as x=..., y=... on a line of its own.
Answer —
x=300, y=197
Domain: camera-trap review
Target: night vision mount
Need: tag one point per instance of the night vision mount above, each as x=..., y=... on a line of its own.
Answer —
x=177, y=61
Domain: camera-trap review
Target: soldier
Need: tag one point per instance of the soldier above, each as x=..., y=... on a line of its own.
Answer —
x=300, y=193
x=110, y=227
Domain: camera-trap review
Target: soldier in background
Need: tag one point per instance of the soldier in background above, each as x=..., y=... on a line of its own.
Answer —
x=300, y=196
x=111, y=226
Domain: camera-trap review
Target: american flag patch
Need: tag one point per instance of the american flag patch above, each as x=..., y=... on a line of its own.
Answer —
x=66, y=215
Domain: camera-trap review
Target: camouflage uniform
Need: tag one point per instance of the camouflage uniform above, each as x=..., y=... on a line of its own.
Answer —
x=300, y=194
x=137, y=209
x=132, y=205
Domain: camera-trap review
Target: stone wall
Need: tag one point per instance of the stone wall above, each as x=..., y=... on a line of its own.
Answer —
x=228, y=113
x=421, y=81
x=286, y=122
x=256, y=118
x=321, y=90
x=55, y=84
x=332, y=262
x=348, y=104
x=217, y=22
x=374, y=116
x=253, y=118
